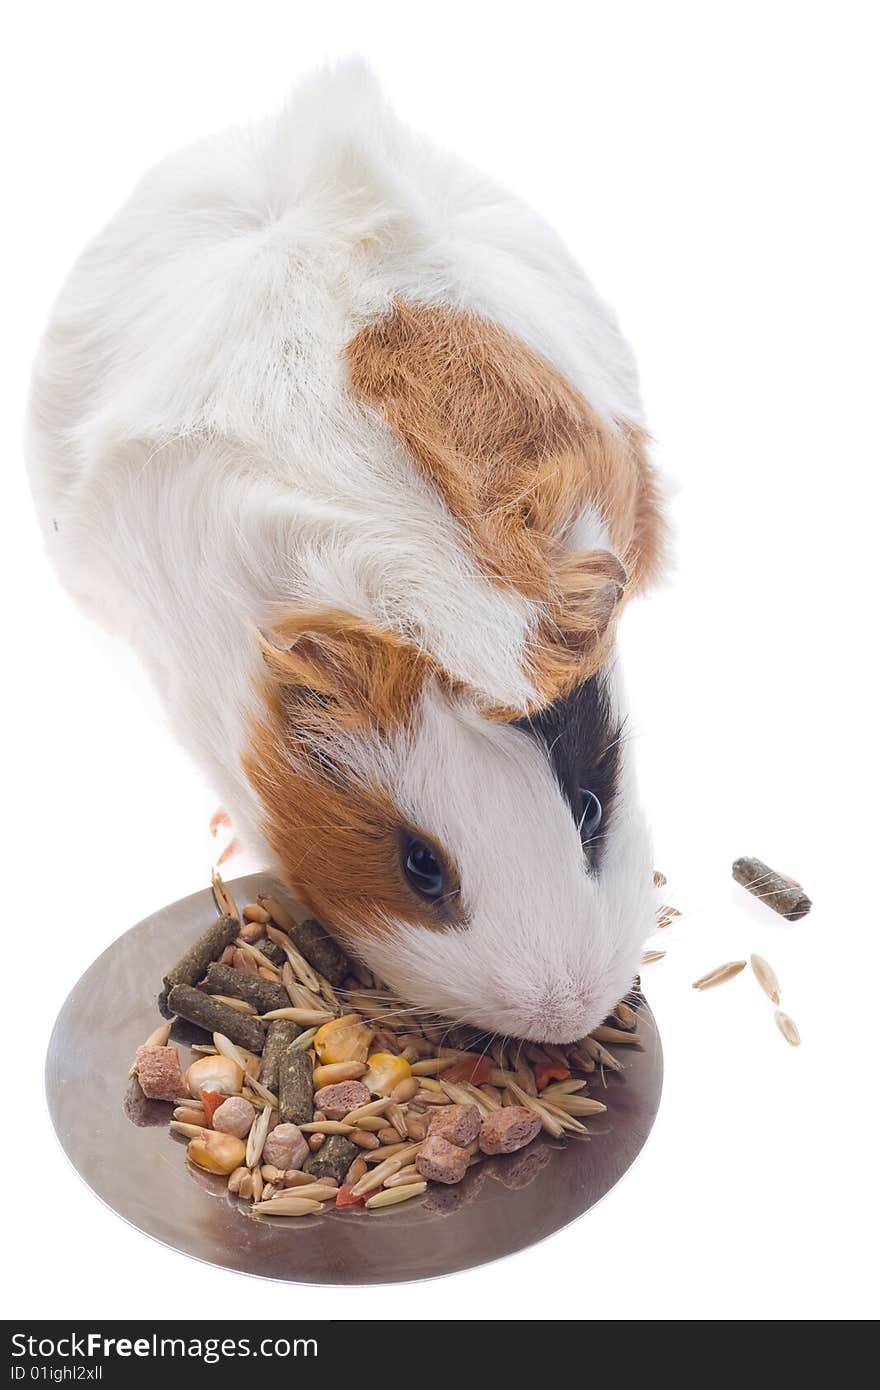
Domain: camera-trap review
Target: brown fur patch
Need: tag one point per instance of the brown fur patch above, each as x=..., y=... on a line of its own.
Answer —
x=336, y=836
x=335, y=672
x=517, y=454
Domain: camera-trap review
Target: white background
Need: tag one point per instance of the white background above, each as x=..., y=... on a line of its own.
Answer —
x=714, y=166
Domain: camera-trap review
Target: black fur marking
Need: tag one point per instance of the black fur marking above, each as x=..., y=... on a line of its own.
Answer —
x=582, y=736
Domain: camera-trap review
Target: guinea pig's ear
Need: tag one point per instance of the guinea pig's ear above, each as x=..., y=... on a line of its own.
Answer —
x=330, y=667
x=574, y=636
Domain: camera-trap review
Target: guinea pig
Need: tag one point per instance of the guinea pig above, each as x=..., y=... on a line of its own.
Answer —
x=336, y=433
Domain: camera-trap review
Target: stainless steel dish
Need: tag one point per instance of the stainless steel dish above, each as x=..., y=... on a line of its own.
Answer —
x=119, y=1143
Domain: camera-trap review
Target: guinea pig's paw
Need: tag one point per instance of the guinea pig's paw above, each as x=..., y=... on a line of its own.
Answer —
x=234, y=847
x=219, y=818
x=222, y=821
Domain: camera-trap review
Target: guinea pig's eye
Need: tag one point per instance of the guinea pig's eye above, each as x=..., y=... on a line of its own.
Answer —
x=591, y=813
x=423, y=869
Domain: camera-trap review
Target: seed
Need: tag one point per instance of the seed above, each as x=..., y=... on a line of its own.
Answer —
x=501, y=1078
x=288, y=979
x=288, y=1206
x=241, y=1005
x=719, y=975
x=565, y=1119
x=268, y=1191
x=295, y=1177
x=356, y=1172
x=301, y=967
x=388, y=1151
x=384, y=1170
x=258, y=1185
x=371, y=1123
x=241, y=960
x=548, y=1121
x=326, y=1127
x=599, y=1054
x=666, y=914
x=580, y=1061
x=308, y=1018
x=461, y=1095
x=191, y=1131
x=766, y=978
x=373, y=1107
x=255, y=956
x=254, y=912
x=329, y=995
x=387, y=1135
x=627, y=1017
x=235, y=1179
x=315, y=1141
x=251, y=932
x=246, y=1187
x=189, y=1115
x=277, y=911
x=302, y=998
x=364, y=1139
x=659, y=880
x=432, y=1065
x=223, y=898
x=404, y=1175
x=317, y=1191
x=330, y=1074
x=391, y=1196
x=257, y=1137
x=432, y=1098
x=476, y=1096
x=263, y=1091
x=397, y=1116
x=434, y=1087
x=788, y=1028
x=580, y=1105
x=369, y=1004
x=648, y=957
x=227, y=1048
x=271, y=1173
x=405, y=1090
x=617, y=1035
x=562, y=1088
x=304, y=1040
x=416, y=1128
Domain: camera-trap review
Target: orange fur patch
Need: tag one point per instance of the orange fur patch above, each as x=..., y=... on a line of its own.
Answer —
x=517, y=454
x=334, y=672
x=336, y=836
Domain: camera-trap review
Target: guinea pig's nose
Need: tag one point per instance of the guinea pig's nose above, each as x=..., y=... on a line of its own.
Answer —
x=564, y=1012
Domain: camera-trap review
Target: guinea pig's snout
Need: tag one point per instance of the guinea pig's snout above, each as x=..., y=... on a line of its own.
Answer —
x=562, y=1012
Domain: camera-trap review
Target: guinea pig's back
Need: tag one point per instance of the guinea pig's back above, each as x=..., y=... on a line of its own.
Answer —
x=221, y=296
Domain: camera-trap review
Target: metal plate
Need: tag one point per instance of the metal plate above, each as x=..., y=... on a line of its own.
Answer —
x=503, y=1204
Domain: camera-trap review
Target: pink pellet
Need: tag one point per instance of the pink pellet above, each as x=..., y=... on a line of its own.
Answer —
x=159, y=1074
x=285, y=1147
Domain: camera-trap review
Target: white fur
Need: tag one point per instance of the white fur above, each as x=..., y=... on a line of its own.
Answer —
x=549, y=947
x=198, y=465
